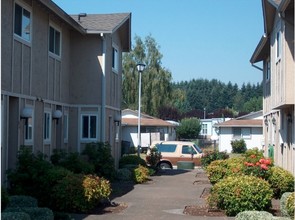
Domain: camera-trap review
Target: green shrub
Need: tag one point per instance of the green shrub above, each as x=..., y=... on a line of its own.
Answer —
x=254, y=215
x=22, y=201
x=210, y=156
x=25, y=179
x=131, y=159
x=4, y=198
x=124, y=174
x=281, y=181
x=290, y=204
x=154, y=157
x=34, y=212
x=255, y=151
x=216, y=170
x=15, y=216
x=141, y=174
x=235, y=194
x=238, y=146
x=100, y=155
x=79, y=193
x=287, y=204
x=72, y=162
x=220, y=169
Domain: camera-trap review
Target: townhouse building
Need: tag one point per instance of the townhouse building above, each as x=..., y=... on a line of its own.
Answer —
x=276, y=51
x=61, y=78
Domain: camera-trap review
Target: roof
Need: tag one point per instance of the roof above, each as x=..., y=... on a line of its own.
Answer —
x=101, y=23
x=146, y=122
x=241, y=123
x=96, y=23
x=270, y=8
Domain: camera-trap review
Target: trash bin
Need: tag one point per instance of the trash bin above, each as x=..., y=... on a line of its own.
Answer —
x=185, y=165
x=270, y=151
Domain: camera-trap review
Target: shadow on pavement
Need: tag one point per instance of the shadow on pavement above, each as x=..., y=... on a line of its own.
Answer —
x=171, y=172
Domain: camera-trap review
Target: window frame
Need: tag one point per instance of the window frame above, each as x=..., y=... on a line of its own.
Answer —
x=56, y=29
x=21, y=36
x=239, y=133
x=29, y=124
x=267, y=70
x=66, y=127
x=204, y=128
x=47, y=127
x=278, y=43
x=115, y=58
x=89, y=138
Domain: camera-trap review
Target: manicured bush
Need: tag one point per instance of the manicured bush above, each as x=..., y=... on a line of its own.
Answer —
x=72, y=162
x=287, y=204
x=254, y=215
x=4, y=198
x=20, y=201
x=216, y=170
x=131, y=159
x=210, y=156
x=141, y=174
x=154, y=157
x=238, y=146
x=80, y=193
x=124, y=174
x=290, y=204
x=25, y=179
x=281, y=181
x=100, y=155
x=235, y=194
x=34, y=212
x=220, y=169
x=15, y=216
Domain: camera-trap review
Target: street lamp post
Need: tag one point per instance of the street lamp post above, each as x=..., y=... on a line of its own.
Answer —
x=140, y=68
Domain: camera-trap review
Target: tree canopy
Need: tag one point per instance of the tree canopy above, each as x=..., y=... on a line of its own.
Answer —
x=176, y=100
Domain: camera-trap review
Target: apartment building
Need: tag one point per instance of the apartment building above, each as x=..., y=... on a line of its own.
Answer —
x=276, y=51
x=61, y=78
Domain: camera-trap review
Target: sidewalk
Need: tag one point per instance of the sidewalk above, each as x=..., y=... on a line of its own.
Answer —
x=164, y=197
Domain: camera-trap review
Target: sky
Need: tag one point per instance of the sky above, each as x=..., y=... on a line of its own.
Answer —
x=208, y=39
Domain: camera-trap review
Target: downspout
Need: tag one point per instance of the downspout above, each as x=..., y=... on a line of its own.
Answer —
x=103, y=89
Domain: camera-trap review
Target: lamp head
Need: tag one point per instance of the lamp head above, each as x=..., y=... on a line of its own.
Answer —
x=140, y=67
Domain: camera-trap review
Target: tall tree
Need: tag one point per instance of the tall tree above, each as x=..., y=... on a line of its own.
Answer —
x=156, y=80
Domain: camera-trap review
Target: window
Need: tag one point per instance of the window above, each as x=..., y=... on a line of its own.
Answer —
x=267, y=73
x=22, y=22
x=89, y=126
x=29, y=130
x=115, y=59
x=166, y=147
x=188, y=150
x=278, y=45
x=54, y=41
x=204, y=129
x=239, y=133
x=47, y=126
x=65, y=127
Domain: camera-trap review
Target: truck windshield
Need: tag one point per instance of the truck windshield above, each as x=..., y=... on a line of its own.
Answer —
x=198, y=149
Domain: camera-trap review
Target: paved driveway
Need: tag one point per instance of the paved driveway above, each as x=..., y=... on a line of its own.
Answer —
x=164, y=197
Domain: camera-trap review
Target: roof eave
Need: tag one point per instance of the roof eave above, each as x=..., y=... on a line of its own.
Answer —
x=63, y=15
x=261, y=51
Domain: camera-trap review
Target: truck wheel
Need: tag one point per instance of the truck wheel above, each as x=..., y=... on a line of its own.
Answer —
x=165, y=165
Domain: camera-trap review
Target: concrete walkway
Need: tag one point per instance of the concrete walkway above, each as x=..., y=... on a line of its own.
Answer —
x=164, y=197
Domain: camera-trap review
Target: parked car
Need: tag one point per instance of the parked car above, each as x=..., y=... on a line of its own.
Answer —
x=175, y=151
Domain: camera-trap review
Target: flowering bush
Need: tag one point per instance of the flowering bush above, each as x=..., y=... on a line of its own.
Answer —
x=235, y=194
x=256, y=165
